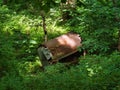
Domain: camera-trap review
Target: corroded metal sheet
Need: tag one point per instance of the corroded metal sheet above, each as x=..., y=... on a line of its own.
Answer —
x=64, y=45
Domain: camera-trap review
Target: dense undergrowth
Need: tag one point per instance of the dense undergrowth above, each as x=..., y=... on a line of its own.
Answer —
x=20, y=67
x=92, y=73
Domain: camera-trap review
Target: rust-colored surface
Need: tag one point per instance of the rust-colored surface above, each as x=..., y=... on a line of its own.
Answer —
x=63, y=45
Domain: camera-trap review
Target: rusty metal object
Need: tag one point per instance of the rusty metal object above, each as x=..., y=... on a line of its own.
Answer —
x=60, y=47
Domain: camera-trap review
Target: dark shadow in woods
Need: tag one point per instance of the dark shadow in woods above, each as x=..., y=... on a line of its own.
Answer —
x=72, y=59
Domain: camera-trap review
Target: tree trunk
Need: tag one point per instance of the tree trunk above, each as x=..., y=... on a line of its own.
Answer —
x=44, y=28
x=42, y=13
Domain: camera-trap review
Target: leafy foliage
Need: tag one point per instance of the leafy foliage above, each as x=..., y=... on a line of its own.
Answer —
x=92, y=73
x=94, y=22
x=97, y=22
